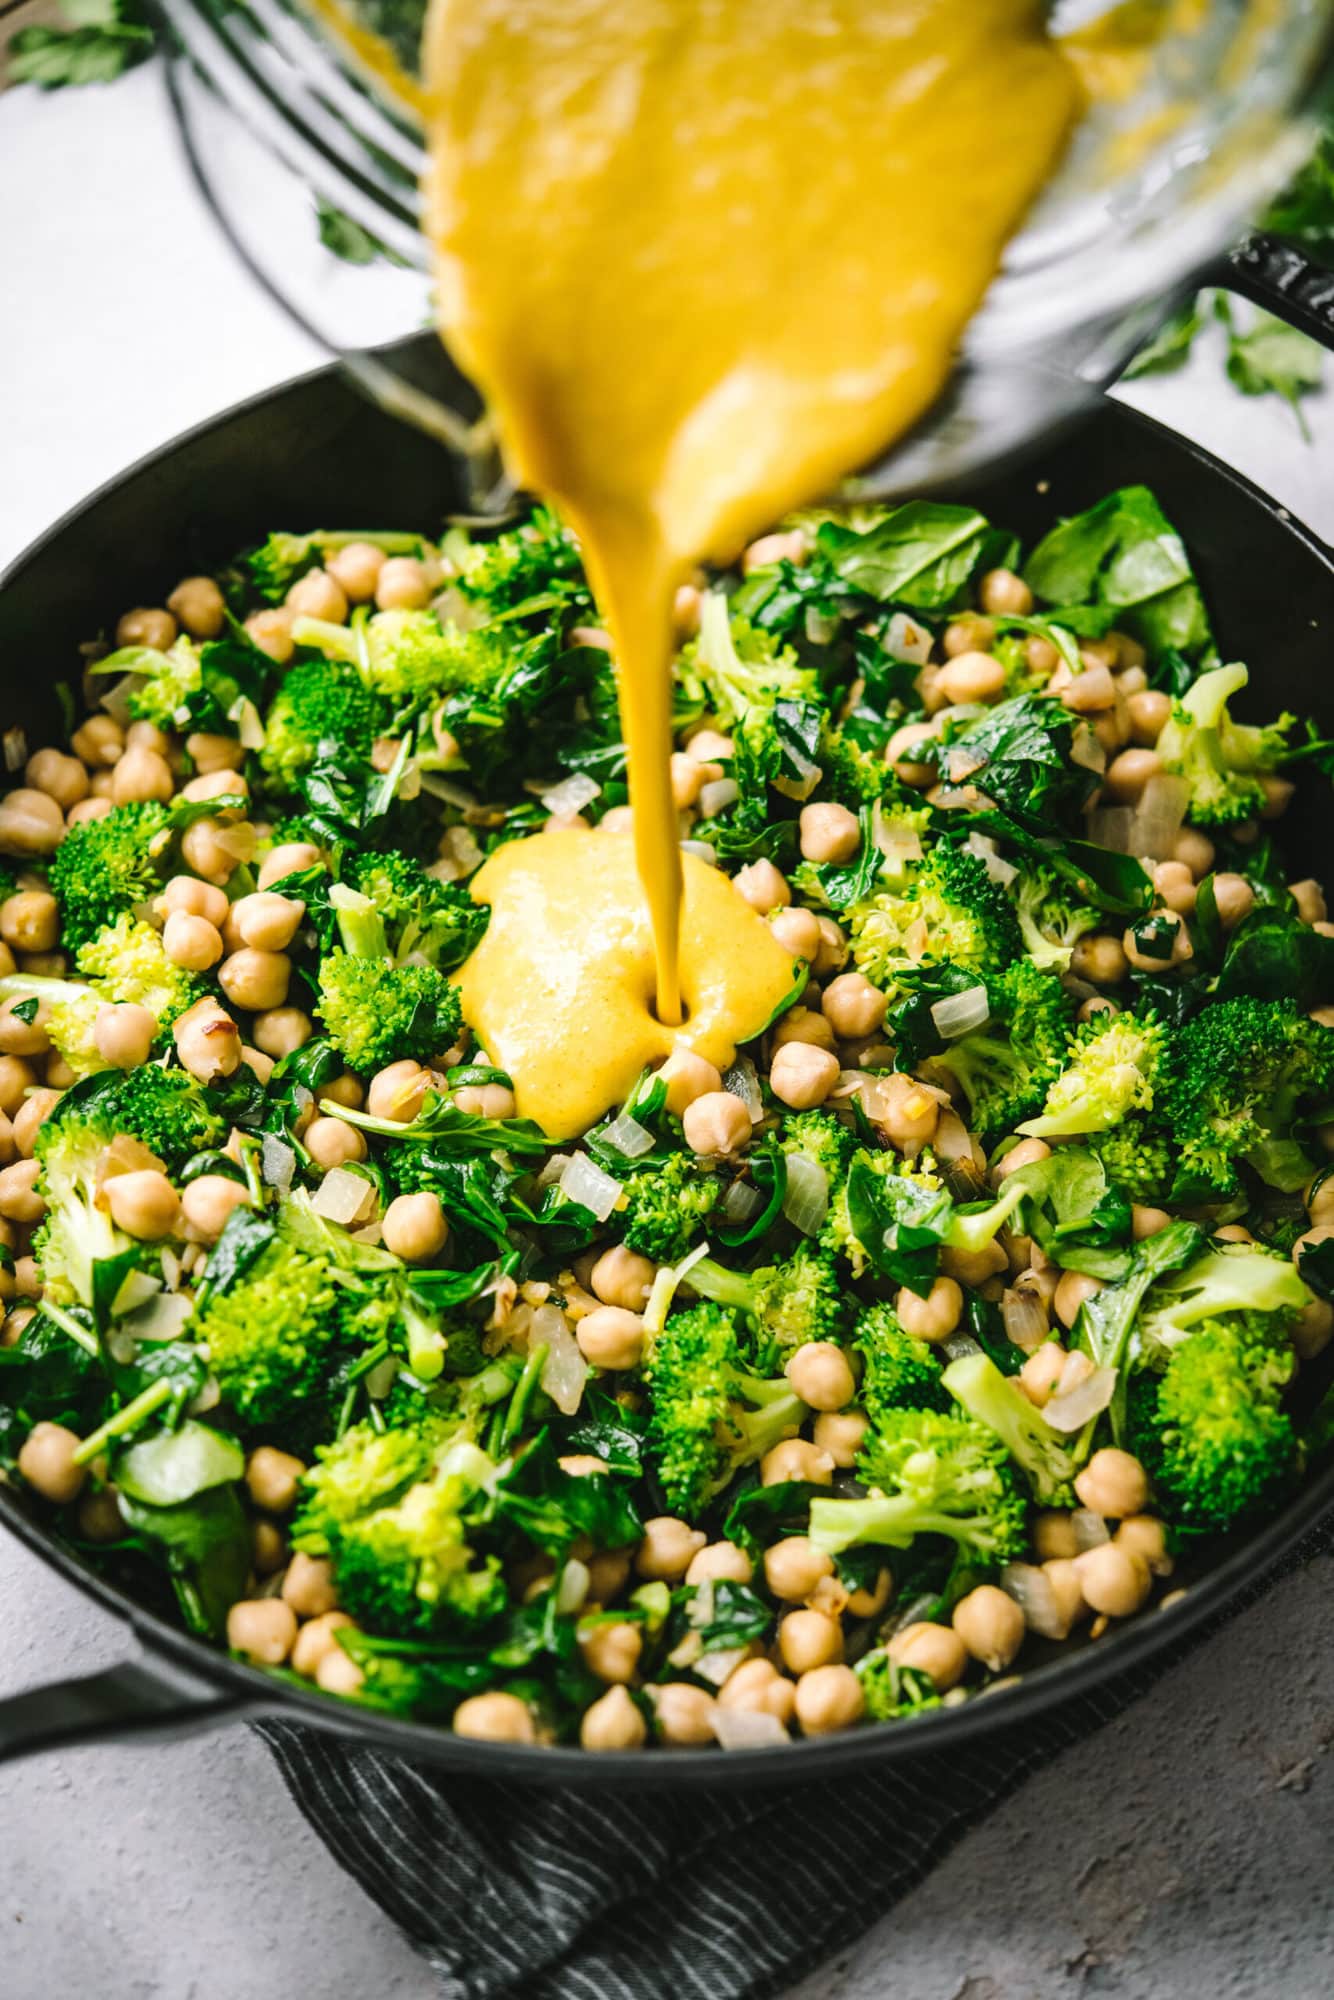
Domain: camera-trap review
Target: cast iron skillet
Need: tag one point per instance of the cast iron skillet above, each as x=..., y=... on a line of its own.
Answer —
x=314, y=454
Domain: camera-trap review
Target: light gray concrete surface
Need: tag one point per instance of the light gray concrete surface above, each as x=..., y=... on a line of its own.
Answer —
x=1185, y=1852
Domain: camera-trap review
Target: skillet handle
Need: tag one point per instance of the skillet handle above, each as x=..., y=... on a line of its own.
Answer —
x=1279, y=277
x=134, y=1698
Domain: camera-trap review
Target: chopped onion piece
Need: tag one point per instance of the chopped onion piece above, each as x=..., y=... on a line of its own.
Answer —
x=277, y=1162
x=208, y=1398
x=1086, y=751
x=806, y=1196
x=1031, y=1589
x=1025, y=1319
x=136, y=1288
x=459, y=855
x=664, y=1288
x=984, y=847
x=115, y=700
x=160, y=1319
x=1159, y=815
x=381, y=1378
x=573, y=1587
x=240, y=840
x=249, y=725
x=960, y=1345
x=445, y=789
x=628, y=1136
x=821, y=626
x=1091, y=1531
x=583, y=1181
x=701, y=851
x=1113, y=827
x=716, y=796
x=899, y=844
x=1073, y=1408
x=565, y=1371
x=554, y=1168
x=747, y=1729
x=171, y=1270
x=741, y=1202
x=742, y=1080
x=16, y=746
x=953, y=1141
x=370, y=1232
x=571, y=795
x=959, y=1013
x=343, y=1197
x=907, y=639
x=717, y=1667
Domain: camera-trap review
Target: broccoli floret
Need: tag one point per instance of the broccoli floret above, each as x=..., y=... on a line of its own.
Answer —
x=950, y=913
x=1211, y=1431
x=798, y=1300
x=1048, y=1460
x=710, y=1414
x=130, y=963
x=1236, y=1278
x=856, y=777
x=388, y=1508
x=1115, y=1061
x=735, y=666
x=1136, y=1158
x=273, y=1339
x=540, y=558
x=668, y=1207
x=892, y=1692
x=822, y=1138
x=1052, y=919
x=318, y=701
x=77, y=1231
x=1222, y=761
x=275, y=565
x=169, y=680
x=375, y=1011
x=1006, y=1068
x=901, y=1372
x=436, y=923
x=1237, y=1077
x=932, y=1473
x=104, y=867
x=165, y=1109
x=411, y=656
x=838, y=1233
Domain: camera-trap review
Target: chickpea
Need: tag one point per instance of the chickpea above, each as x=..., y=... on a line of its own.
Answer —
x=141, y=775
x=911, y=1112
x=934, y=1317
x=612, y=1651
x=1071, y=1291
x=30, y=1117
x=146, y=626
x=98, y=742
x=333, y=1143
x=1313, y=1329
x=197, y=604
x=268, y=921
x=709, y=746
x=829, y=833
x=356, y=568
x=280, y=1031
x=398, y=1091
x=24, y=1038
x=793, y=1459
x=1005, y=594
x=687, y=776
x=403, y=584
x=968, y=634
x=61, y=777
x=207, y=1202
x=1068, y=1595
x=991, y=1626
x=1054, y=1536
x=1040, y=1376
x=486, y=1100
x=853, y=1007
x=839, y=1434
x=46, y=1461
x=191, y=942
x=911, y=770
x=8, y=1151
x=1113, y=1485
x=937, y=1651
x=720, y=1562
x=1027, y=1153
x=263, y=1628
x=337, y=1673
x=1278, y=793
x=1127, y=775
x=610, y=1337
x=1113, y=1578
x=317, y=1641
x=757, y=1688
x=414, y=1226
x=716, y=1123
x=31, y=822
x=613, y=1722
x=291, y=857
x=608, y=1574
x=1150, y=711
x=268, y=1548
x=971, y=677
x=793, y=546
x=1156, y=959
x=803, y=1024
x=798, y=931
x=17, y=1078
x=668, y=1547
x=271, y=1478
x=256, y=980
x=1310, y=900
x=794, y=1567
x=143, y=1203
x=87, y=809
x=828, y=1699
x=974, y=1267
x=688, y=1076
x=261, y=1067
x=1100, y=960
x=1090, y=692
x=808, y=1639
x=99, y=1517
x=124, y=1033
x=1175, y=886
x=821, y=1375
x=621, y=1277
x=762, y=887
x=203, y=851
x=345, y=1090
x=19, y=1199
x=683, y=1714
x=309, y=1586
x=271, y=631
x=802, y=1076
x=833, y=953
x=207, y=1041
x=618, y=819
x=1146, y=1537
x=495, y=1717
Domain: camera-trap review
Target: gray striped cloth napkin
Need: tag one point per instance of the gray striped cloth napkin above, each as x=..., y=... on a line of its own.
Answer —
x=512, y=1892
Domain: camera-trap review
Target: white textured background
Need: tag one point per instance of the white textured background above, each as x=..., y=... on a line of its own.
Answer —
x=1186, y=1852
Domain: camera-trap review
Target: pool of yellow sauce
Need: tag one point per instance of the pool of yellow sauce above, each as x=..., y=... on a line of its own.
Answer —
x=704, y=258
x=561, y=988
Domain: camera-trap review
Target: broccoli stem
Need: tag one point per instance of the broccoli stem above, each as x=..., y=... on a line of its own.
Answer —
x=726, y=1288
x=360, y=925
x=68, y=1324
x=524, y=1391
x=136, y=1412
x=890, y=1520
x=973, y=1229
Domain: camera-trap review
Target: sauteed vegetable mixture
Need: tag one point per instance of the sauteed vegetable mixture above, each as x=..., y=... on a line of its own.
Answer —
x=993, y=1278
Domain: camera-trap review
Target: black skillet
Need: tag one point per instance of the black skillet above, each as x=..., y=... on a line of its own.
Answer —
x=314, y=454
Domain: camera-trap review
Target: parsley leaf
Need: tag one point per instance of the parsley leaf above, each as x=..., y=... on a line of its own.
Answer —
x=104, y=39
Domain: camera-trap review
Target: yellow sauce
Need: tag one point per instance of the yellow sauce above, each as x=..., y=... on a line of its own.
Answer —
x=560, y=991
x=703, y=260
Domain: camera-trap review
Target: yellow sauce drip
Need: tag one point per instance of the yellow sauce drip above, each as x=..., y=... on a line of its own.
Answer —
x=560, y=990
x=704, y=260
